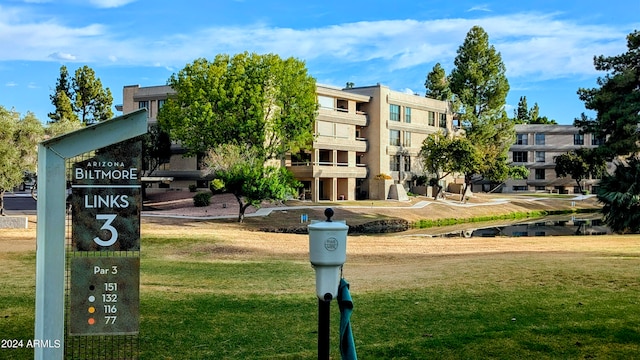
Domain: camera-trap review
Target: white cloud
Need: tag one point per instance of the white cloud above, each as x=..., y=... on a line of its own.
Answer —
x=62, y=56
x=533, y=45
x=480, y=7
x=11, y=84
x=110, y=3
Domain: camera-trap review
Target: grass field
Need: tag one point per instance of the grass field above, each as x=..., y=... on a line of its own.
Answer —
x=214, y=290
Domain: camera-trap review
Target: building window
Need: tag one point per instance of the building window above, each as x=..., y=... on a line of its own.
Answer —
x=443, y=120
x=407, y=163
x=432, y=118
x=520, y=188
x=578, y=139
x=143, y=104
x=539, y=139
x=521, y=139
x=597, y=141
x=540, y=156
x=394, y=112
x=539, y=174
x=161, y=104
x=394, y=163
x=326, y=102
x=407, y=139
x=407, y=115
x=519, y=156
x=394, y=137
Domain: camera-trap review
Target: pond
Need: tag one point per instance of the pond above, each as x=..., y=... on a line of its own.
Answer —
x=556, y=225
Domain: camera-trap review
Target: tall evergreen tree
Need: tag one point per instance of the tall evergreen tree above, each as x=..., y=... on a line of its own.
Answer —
x=81, y=98
x=616, y=102
x=61, y=98
x=480, y=87
x=522, y=115
x=91, y=101
x=437, y=84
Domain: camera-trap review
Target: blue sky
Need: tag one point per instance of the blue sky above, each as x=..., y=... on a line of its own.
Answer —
x=547, y=46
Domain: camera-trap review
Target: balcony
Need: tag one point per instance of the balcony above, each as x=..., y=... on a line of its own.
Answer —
x=343, y=143
x=308, y=169
x=338, y=115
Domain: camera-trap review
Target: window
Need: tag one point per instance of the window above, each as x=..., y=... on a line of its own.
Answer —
x=539, y=174
x=521, y=139
x=326, y=102
x=394, y=137
x=578, y=139
x=540, y=156
x=432, y=118
x=407, y=139
x=443, y=120
x=596, y=141
x=143, y=104
x=161, y=103
x=407, y=163
x=520, y=188
x=519, y=156
x=407, y=115
x=394, y=163
x=539, y=139
x=394, y=112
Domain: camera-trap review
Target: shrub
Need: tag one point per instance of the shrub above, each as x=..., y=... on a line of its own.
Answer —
x=383, y=177
x=193, y=187
x=216, y=186
x=202, y=199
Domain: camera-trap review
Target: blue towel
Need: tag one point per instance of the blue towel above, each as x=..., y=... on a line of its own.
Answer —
x=347, y=344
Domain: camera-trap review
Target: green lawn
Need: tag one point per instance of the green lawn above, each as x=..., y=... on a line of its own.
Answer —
x=516, y=305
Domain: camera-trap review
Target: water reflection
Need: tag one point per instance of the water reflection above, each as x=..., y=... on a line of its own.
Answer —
x=580, y=224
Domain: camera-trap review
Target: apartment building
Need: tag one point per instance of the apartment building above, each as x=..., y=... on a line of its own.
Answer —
x=536, y=147
x=361, y=132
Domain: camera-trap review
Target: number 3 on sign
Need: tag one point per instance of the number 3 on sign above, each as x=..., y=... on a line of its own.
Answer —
x=107, y=226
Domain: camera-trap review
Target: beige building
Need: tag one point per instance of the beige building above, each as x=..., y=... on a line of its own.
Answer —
x=360, y=133
x=536, y=147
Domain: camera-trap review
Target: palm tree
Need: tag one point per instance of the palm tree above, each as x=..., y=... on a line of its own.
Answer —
x=620, y=194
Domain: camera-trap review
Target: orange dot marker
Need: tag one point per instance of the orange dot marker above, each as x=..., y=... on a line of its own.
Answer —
x=91, y=321
x=91, y=309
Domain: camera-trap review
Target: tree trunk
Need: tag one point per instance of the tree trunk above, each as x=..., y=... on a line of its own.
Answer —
x=242, y=207
x=579, y=185
x=2, y=202
x=467, y=184
x=437, y=192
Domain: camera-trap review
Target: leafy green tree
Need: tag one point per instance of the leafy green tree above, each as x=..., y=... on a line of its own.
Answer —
x=437, y=84
x=580, y=164
x=62, y=126
x=620, y=194
x=18, y=149
x=262, y=101
x=442, y=155
x=156, y=148
x=616, y=102
x=80, y=98
x=480, y=87
x=244, y=174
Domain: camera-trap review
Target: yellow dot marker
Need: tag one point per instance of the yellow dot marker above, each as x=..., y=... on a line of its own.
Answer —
x=91, y=309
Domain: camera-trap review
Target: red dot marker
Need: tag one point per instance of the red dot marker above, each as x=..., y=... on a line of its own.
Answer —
x=91, y=321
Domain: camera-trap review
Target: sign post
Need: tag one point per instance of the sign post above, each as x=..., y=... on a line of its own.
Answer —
x=50, y=240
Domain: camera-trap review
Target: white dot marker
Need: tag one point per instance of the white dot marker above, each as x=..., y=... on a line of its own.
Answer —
x=92, y=298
